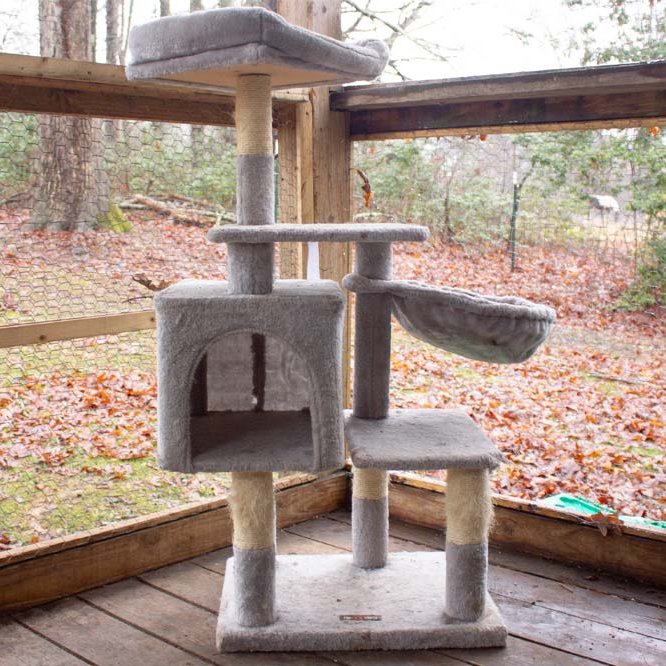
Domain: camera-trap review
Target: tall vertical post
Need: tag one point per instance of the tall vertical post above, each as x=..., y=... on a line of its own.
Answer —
x=253, y=514
x=372, y=368
x=468, y=517
x=251, y=272
x=251, y=265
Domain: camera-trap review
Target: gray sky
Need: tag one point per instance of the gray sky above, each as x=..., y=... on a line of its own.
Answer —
x=475, y=34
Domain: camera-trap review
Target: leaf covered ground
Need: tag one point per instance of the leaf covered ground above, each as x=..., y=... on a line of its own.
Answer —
x=586, y=415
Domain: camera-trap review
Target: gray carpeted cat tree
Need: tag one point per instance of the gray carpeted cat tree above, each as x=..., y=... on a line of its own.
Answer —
x=250, y=377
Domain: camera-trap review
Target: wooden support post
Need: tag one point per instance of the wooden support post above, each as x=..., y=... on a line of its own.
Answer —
x=331, y=169
x=331, y=155
x=290, y=207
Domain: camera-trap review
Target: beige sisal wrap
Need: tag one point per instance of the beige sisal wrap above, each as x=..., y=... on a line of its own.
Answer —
x=468, y=506
x=253, y=509
x=370, y=484
x=254, y=115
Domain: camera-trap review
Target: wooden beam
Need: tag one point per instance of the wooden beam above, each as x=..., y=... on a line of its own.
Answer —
x=580, y=81
x=331, y=167
x=506, y=115
x=523, y=526
x=18, y=335
x=31, y=84
x=37, y=574
x=290, y=209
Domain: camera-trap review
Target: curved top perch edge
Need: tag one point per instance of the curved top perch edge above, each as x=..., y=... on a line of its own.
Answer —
x=216, y=46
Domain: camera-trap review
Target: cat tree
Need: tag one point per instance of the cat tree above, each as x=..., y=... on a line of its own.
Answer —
x=250, y=377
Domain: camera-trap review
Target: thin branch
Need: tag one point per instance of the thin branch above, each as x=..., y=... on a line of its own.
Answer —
x=399, y=30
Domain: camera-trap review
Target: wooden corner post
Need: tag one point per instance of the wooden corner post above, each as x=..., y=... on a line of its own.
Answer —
x=325, y=155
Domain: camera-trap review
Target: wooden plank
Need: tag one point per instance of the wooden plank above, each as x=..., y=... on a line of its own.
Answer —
x=326, y=162
x=189, y=582
x=415, y=480
x=288, y=543
x=21, y=647
x=578, y=81
x=628, y=555
x=23, y=98
x=519, y=652
x=543, y=113
x=331, y=166
x=615, y=612
x=81, y=75
x=179, y=623
x=39, y=579
x=394, y=658
x=580, y=576
x=100, y=638
x=35, y=333
x=567, y=596
x=584, y=638
x=511, y=129
x=337, y=534
x=31, y=84
x=289, y=194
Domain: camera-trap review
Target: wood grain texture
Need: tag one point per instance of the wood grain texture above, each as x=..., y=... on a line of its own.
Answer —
x=290, y=209
x=331, y=166
x=578, y=81
x=499, y=113
x=169, y=615
x=102, y=639
x=69, y=570
x=31, y=84
x=20, y=646
x=36, y=333
x=628, y=555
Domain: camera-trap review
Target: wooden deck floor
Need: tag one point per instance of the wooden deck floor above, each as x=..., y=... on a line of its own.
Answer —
x=556, y=615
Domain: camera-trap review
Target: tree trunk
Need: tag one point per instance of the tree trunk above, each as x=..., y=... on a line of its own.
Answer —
x=112, y=32
x=196, y=135
x=165, y=9
x=71, y=184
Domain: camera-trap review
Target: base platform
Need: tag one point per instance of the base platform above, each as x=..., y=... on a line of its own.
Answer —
x=326, y=603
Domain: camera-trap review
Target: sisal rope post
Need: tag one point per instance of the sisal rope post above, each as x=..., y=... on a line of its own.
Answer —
x=468, y=519
x=369, y=518
x=251, y=265
x=252, y=503
x=370, y=484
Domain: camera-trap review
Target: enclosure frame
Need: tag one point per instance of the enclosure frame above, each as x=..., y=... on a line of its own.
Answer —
x=315, y=132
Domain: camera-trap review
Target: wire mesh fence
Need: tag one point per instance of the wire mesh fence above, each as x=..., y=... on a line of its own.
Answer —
x=585, y=213
x=95, y=226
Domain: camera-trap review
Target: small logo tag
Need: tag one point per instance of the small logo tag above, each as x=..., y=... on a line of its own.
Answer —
x=361, y=618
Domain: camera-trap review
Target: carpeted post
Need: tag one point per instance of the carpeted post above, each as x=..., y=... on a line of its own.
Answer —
x=253, y=513
x=468, y=518
x=372, y=365
x=251, y=265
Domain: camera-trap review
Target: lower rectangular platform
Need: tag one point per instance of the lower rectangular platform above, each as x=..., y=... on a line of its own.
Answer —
x=326, y=603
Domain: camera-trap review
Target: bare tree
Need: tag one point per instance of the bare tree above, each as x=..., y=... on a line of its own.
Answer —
x=126, y=12
x=400, y=19
x=165, y=8
x=71, y=187
x=112, y=32
x=196, y=135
